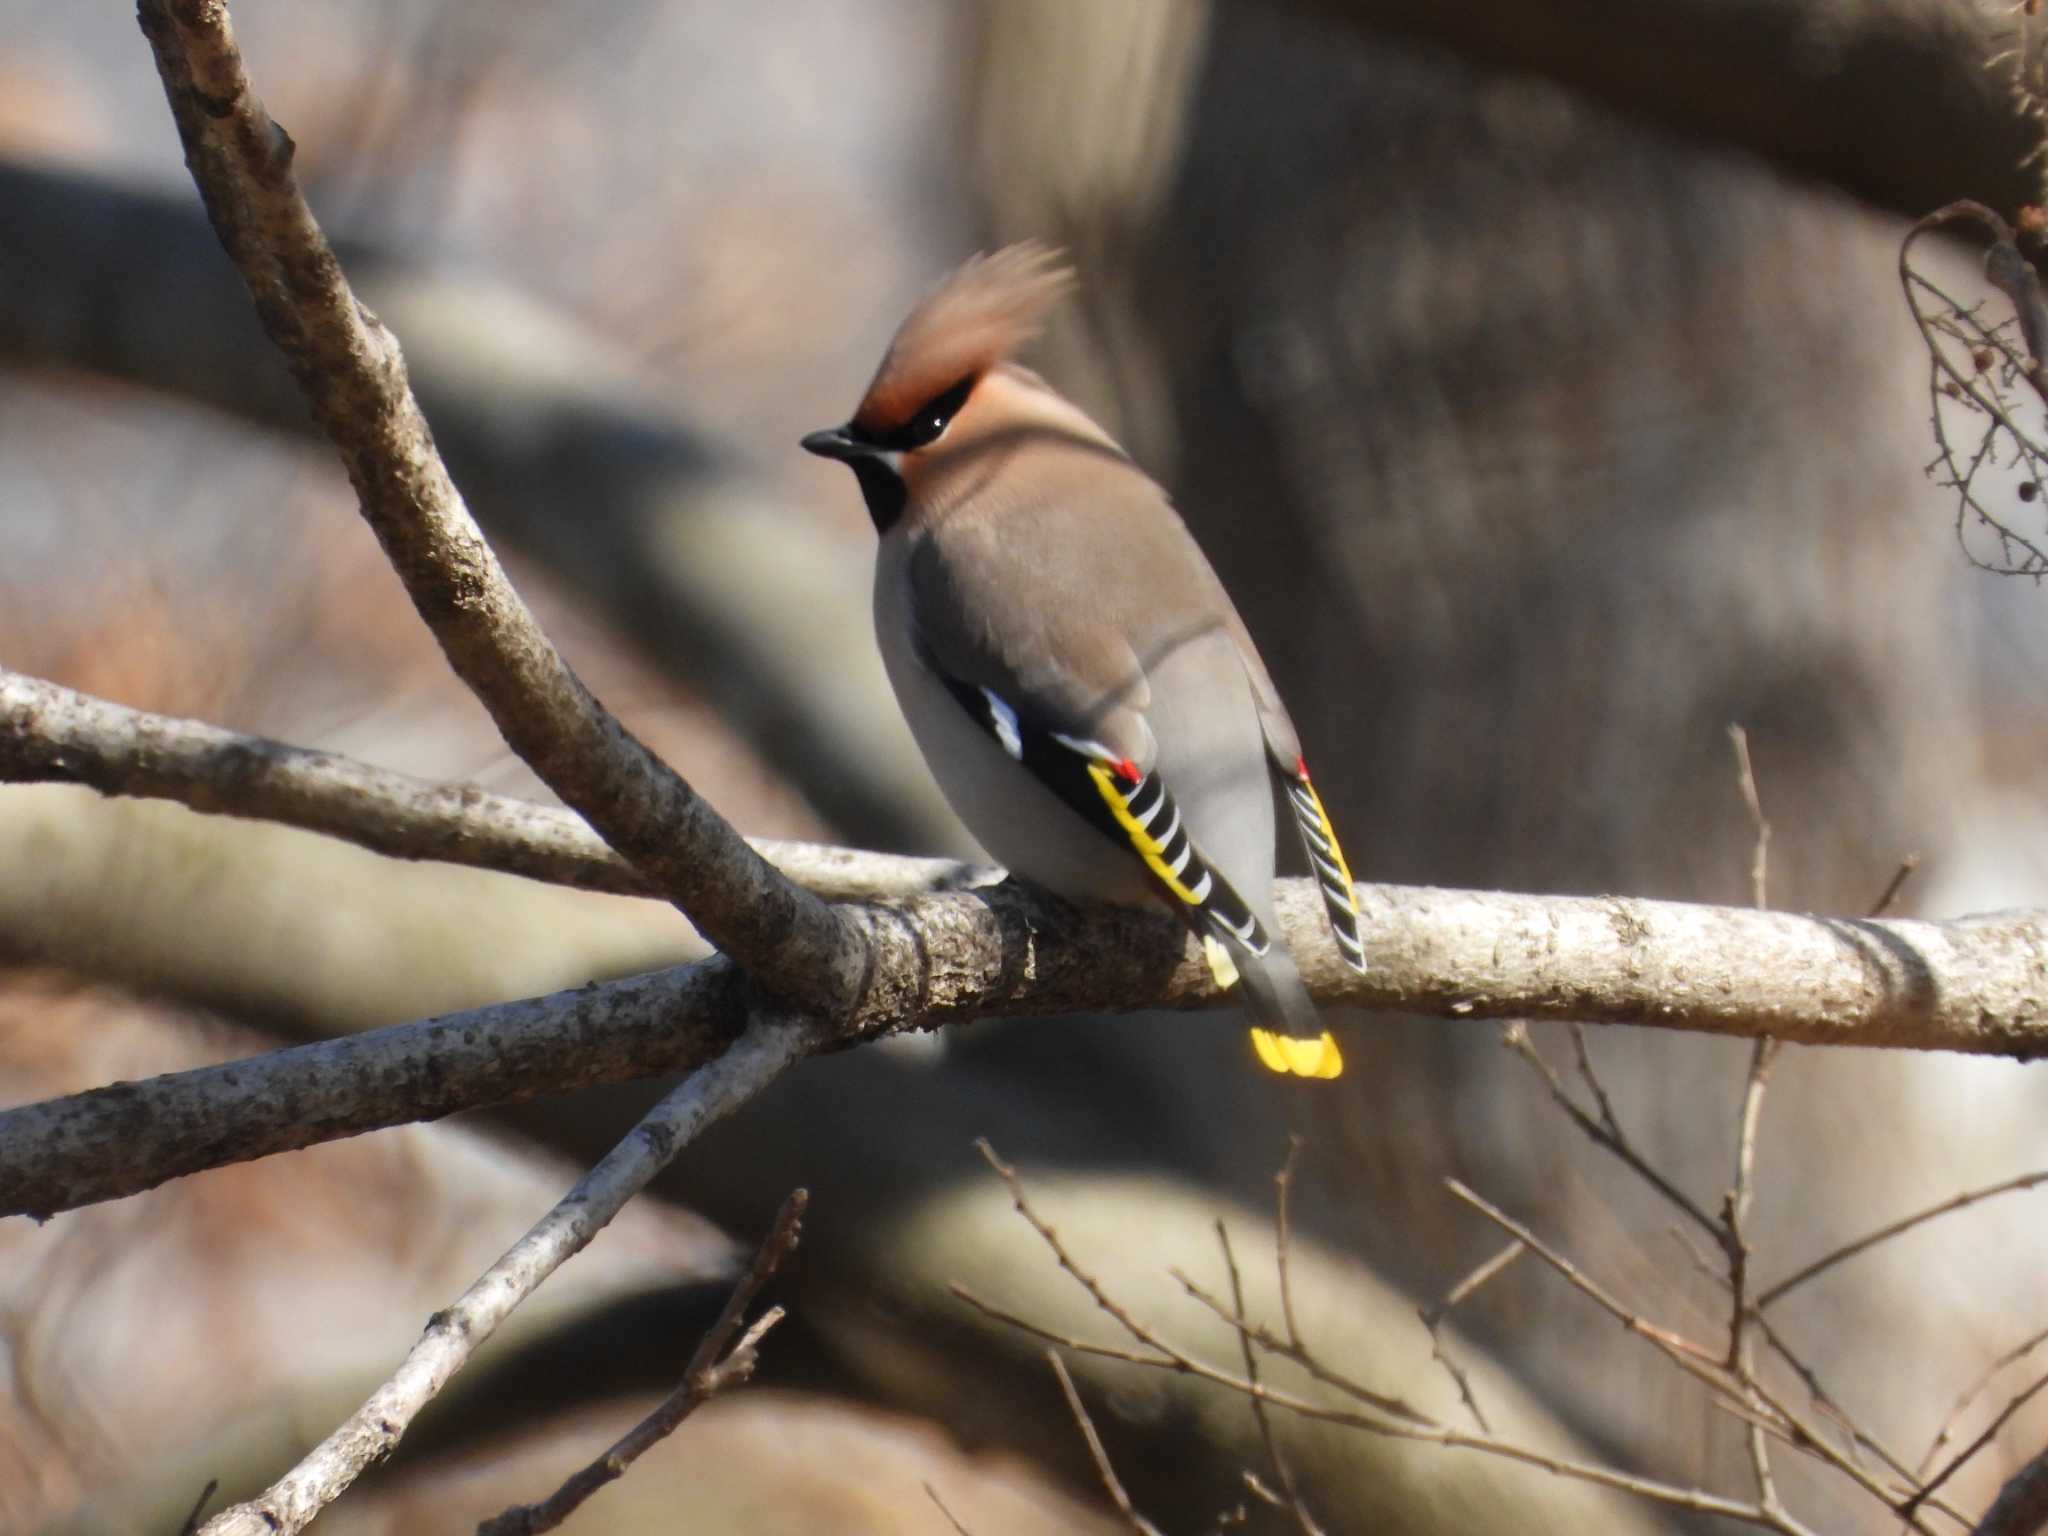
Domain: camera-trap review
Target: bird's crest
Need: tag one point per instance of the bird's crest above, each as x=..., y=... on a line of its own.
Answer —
x=984, y=311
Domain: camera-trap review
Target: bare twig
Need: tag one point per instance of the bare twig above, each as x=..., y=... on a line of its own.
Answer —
x=1292, y=1500
x=1888, y=898
x=453, y=1335
x=1973, y=366
x=1735, y=1215
x=1745, y=781
x=1433, y=1320
x=1114, y=1309
x=1864, y=1244
x=951, y=1519
x=1111, y=1484
x=1606, y=1131
x=716, y=1363
x=1976, y=1388
x=1158, y=1353
x=1830, y=1407
x=199, y=1504
x=1583, y=1059
x=1160, y=1350
x=1283, y=1199
x=1696, y=1359
x=1969, y=1452
x=1749, y=1400
x=1301, y=1355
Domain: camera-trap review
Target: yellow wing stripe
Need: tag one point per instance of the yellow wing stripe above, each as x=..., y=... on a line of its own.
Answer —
x=1148, y=847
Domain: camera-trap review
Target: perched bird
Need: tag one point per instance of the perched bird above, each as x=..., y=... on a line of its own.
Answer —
x=1074, y=672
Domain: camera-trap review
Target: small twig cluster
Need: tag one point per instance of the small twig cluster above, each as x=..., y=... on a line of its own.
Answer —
x=1816, y=1426
x=1986, y=389
x=1819, y=1427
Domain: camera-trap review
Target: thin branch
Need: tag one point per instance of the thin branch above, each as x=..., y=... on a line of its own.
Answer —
x=951, y=1519
x=1889, y=896
x=1969, y=1452
x=1292, y=1500
x=1301, y=1355
x=1162, y=1352
x=1110, y=1482
x=1735, y=1216
x=1747, y=1400
x=1973, y=365
x=716, y=1363
x=1159, y=1354
x=452, y=1336
x=1606, y=1131
x=191, y=1525
x=1832, y=1409
x=1696, y=1359
x=1433, y=1319
x=1864, y=1244
x=1969, y=1394
x=351, y=371
x=1283, y=1230
x=1745, y=781
x=55, y=735
x=1096, y=1293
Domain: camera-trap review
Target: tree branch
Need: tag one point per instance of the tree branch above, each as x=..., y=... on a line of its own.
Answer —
x=941, y=955
x=1975, y=985
x=717, y=1363
x=54, y=735
x=373, y=1431
x=353, y=375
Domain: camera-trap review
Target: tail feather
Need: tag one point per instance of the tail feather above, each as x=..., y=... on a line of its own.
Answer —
x=1287, y=1032
x=1326, y=859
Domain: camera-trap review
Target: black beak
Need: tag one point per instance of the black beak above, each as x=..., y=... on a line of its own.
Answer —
x=836, y=443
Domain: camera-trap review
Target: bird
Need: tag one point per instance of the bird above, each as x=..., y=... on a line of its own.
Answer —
x=1070, y=664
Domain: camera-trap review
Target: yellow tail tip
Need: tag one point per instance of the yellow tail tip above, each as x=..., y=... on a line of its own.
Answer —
x=1298, y=1058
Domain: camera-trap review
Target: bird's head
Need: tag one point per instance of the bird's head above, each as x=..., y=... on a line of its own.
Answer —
x=928, y=385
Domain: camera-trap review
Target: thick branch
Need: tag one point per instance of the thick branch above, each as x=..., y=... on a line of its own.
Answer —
x=1976, y=985
x=351, y=372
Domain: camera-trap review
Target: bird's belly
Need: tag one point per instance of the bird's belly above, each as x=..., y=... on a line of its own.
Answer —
x=1025, y=827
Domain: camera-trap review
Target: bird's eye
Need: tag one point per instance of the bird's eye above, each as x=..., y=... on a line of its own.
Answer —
x=936, y=415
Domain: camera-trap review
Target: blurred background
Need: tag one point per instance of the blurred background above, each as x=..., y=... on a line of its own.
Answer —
x=1543, y=393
